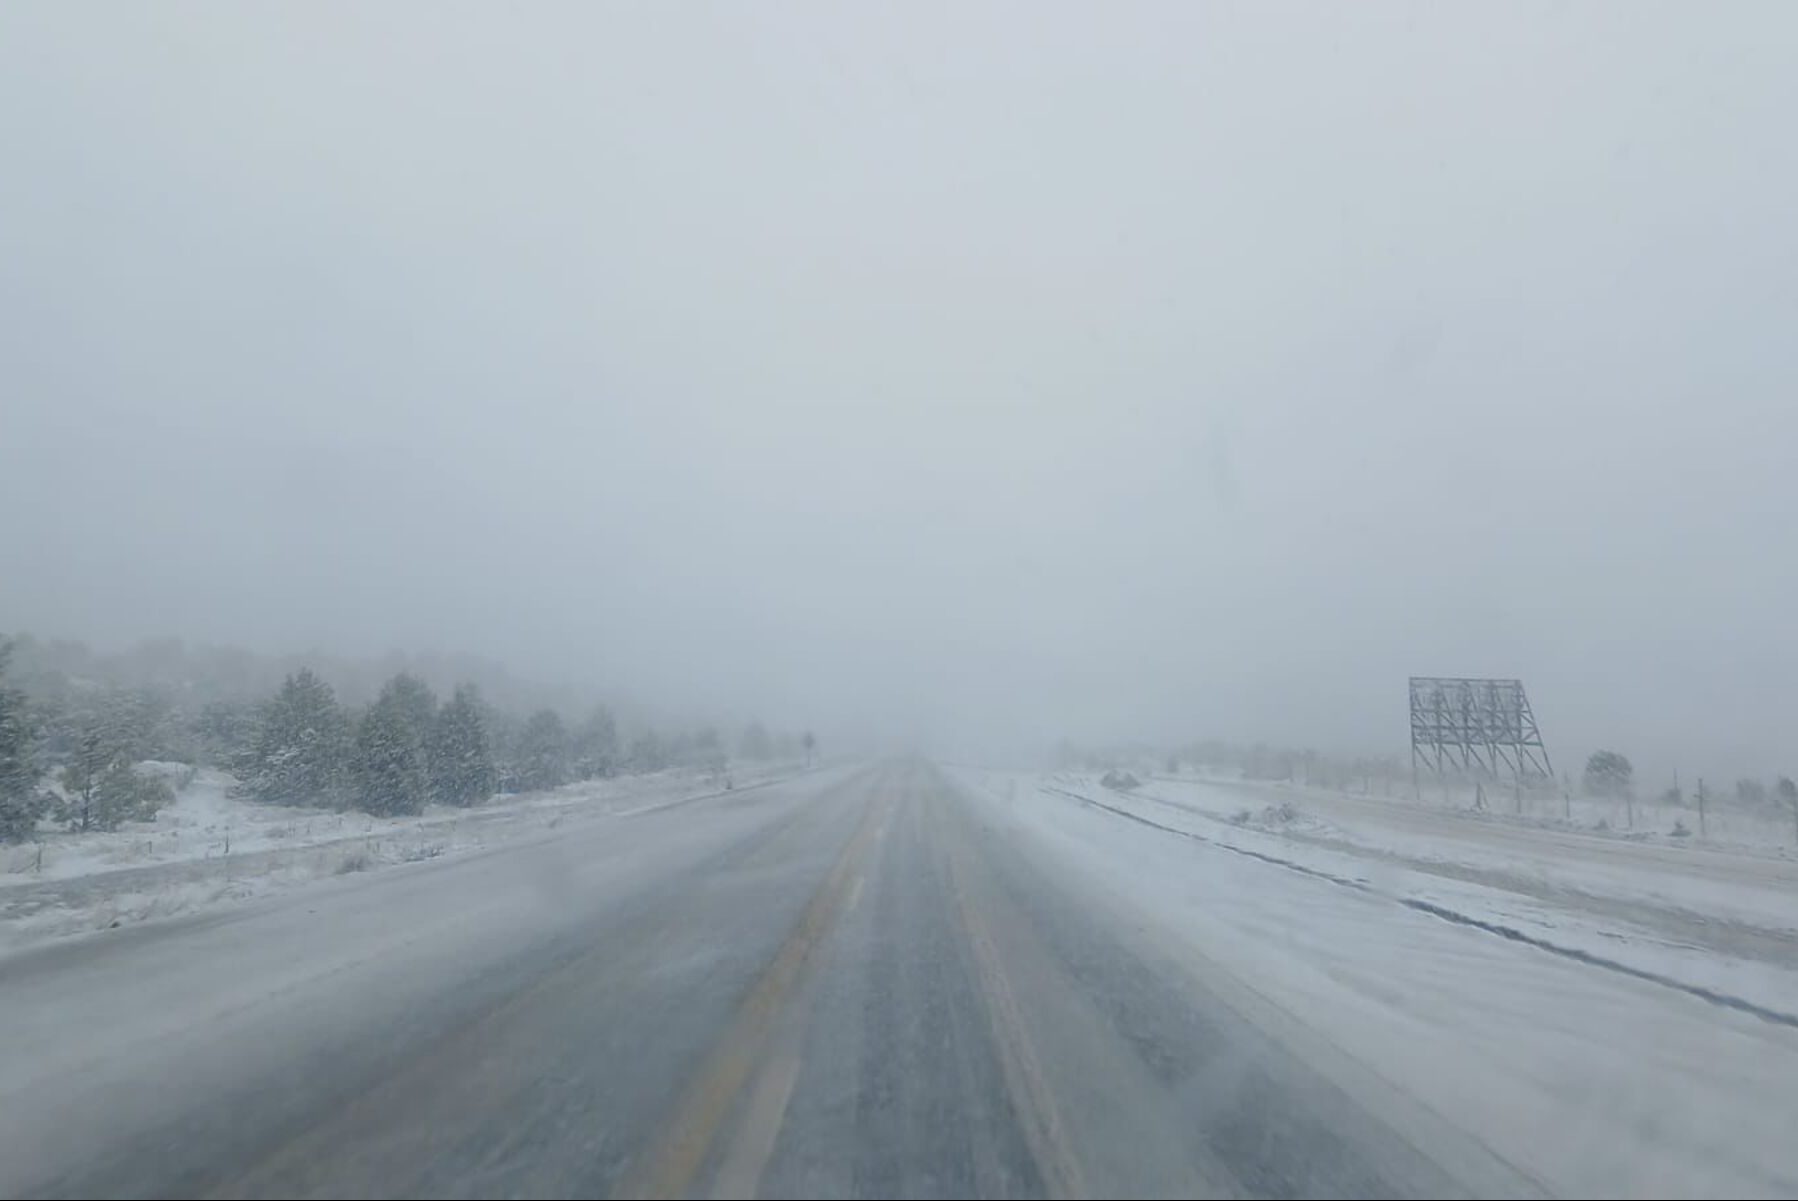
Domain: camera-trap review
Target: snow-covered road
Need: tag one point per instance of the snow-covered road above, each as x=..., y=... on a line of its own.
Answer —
x=895, y=980
x=1602, y=1072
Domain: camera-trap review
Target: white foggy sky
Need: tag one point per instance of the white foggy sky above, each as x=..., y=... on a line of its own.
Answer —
x=997, y=371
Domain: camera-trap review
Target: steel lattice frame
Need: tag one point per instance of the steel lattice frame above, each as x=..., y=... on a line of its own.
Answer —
x=1476, y=727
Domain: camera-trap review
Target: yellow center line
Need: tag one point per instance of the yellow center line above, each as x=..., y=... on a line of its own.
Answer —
x=673, y=1163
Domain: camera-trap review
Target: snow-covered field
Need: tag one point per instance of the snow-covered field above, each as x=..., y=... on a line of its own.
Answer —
x=211, y=848
x=1621, y=1017
x=1719, y=915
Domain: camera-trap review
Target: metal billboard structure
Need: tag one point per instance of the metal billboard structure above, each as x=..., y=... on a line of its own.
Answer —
x=1477, y=728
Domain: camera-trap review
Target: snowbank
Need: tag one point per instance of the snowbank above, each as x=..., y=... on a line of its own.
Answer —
x=210, y=847
x=1702, y=919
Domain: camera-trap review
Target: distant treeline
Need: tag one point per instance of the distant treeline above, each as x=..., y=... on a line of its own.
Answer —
x=75, y=728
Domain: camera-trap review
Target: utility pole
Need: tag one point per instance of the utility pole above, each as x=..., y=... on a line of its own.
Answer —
x=1701, y=833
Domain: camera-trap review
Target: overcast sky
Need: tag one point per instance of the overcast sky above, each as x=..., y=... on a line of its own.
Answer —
x=972, y=371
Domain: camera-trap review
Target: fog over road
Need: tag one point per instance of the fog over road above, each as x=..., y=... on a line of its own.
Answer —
x=440, y=441
x=854, y=983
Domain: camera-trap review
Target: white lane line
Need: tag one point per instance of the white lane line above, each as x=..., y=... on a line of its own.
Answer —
x=741, y=1173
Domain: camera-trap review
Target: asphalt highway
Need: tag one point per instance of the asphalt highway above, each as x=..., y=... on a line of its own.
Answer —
x=854, y=983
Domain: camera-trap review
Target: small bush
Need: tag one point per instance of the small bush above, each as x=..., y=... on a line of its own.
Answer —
x=354, y=861
x=1679, y=829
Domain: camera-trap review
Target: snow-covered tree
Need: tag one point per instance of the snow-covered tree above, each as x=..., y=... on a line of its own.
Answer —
x=300, y=751
x=595, y=745
x=505, y=732
x=459, y=751
x=415, y=700
x=20, y=802
x=140, y=722
x=92, y=755
x=122, y=794
x=1608, y=774
x=104, y=739
x=542, y=752
x=223, y=731
x=387, y=768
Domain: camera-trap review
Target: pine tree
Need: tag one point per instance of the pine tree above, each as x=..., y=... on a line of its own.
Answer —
x=223, y=731
x=459, y=752
x=108, y=734
x=122, y=795
x=543, y=752
x=301, y=747
x=90, y=759
x=505, y=734
x=595, y=749
x=388, y=766
x=418, y=704
x=416, y=701
x=20, y=802
x=136, y=722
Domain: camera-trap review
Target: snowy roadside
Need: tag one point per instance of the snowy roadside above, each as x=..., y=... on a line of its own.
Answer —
x=209, y=848
x=1735, y=899
x=1624, y=909
x=1604, y=1082
x=1453, y=833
